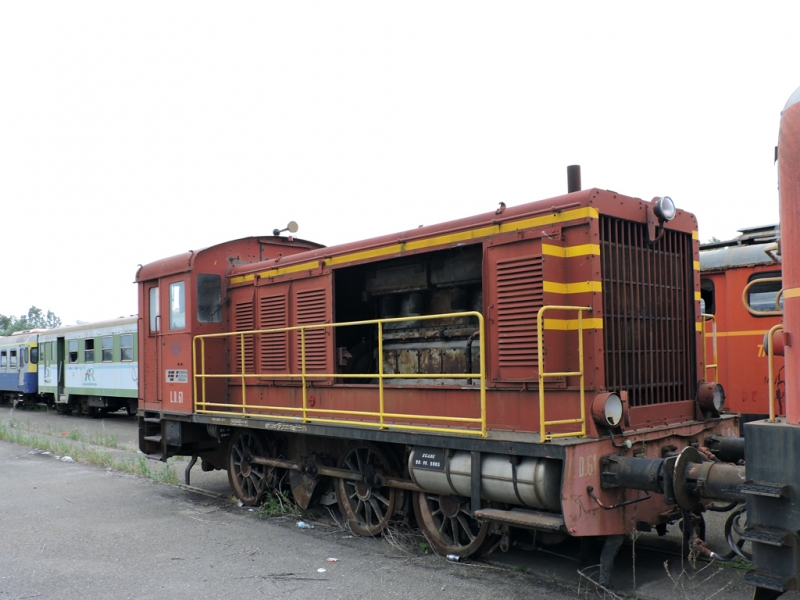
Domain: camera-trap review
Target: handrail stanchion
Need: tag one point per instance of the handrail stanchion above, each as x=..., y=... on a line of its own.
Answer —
x=303, y=371
x=715, y=364
x=244, y=384
x=543, y=422
x=194, y=374
x=203, y=366
x=771, y=366
x=380, y=374
x=482, y=346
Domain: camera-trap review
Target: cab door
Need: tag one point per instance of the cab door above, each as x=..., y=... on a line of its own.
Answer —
x=175, y=349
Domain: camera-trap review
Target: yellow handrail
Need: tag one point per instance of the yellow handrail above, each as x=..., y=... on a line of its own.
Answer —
x=771, y=358
x=715, y=366
x=543, y=422
x=203, y=406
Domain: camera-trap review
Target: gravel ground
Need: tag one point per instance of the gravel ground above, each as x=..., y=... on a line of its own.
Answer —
x=73, y=522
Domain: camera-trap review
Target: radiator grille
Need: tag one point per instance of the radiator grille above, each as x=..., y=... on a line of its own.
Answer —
x=519, y=298
x=648, y=313
x=312, y=309
x=243, y=321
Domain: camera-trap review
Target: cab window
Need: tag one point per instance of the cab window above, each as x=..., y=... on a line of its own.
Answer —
x=73, y=351
x=35, y=355
x=209, y=298
x=107, y=346
x=177, y=306
x=155, y=309
x=707, y=306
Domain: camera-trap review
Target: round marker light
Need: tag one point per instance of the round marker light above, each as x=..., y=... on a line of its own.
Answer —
x=607, y=409
x=711, y=397
x=665, y=209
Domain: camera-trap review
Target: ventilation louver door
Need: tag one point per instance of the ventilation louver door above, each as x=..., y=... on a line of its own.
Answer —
x=515, y=297
x=311, y=305
x=273, y=313
x=244, y=321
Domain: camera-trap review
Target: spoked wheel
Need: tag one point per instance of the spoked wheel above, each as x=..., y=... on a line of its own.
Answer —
x=247, y=480
x=447, y=524
x=368, y=505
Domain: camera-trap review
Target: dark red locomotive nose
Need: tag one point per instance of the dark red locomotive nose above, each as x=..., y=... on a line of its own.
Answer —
x=789, y=184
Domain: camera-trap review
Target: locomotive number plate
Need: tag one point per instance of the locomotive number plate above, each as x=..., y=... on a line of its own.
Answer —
x=177, y=376
x=429, y=459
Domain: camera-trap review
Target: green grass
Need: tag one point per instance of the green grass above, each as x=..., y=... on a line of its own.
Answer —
x=77, y=448
x=96, y=438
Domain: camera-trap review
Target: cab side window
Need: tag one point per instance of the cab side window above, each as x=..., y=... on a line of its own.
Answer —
x=209, y=298
x=177, y=306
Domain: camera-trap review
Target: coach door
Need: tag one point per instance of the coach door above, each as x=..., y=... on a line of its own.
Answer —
x=22, y=352
x=60, y=360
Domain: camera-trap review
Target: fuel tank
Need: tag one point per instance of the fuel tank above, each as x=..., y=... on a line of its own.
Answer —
x=524, y=481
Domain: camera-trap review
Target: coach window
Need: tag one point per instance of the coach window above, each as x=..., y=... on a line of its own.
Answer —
x=761, y=296
x=88, y=350
x=107, y=347
x=155, y=310
x=73, y=351
x=12, y=359
x=52, y=352
x=23, y=356
x=126, y=347
x=209, y=298
x=4, y=358
x=177, y=306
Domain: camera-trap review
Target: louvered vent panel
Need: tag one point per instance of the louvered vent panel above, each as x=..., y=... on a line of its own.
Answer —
x=648, y=312
x=312, y=309
x=519, y=298
x=274, y=347
x=244, y=321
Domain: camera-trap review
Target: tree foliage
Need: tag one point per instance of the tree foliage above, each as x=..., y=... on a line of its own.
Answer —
x=35, y=319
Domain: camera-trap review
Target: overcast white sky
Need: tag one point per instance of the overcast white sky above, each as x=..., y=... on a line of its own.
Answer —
x=132, y=131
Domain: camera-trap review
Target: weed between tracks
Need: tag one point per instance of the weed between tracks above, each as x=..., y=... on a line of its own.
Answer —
x=85, y=453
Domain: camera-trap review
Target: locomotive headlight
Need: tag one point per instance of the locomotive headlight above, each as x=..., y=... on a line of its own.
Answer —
x=607, y=409
x=665, y=209
x=711, y=397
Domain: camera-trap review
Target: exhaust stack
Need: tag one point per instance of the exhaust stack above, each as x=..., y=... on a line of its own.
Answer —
x=573, y=178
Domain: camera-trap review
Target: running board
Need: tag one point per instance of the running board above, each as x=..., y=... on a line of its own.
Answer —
x=527, y=519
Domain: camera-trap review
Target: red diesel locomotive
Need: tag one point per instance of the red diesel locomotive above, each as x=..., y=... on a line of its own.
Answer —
x=476, y=370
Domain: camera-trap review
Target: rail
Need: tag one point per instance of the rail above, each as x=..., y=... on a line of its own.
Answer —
x=543, y=422
x=771, y=379
x=762, y=313
x=305, y=413
x=715, y=365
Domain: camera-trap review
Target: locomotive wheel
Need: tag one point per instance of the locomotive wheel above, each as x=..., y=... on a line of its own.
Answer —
x=446, y=522
x=367, y=505
x=248, y=481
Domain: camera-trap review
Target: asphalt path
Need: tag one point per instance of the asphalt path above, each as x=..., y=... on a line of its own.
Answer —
x=103, y=534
